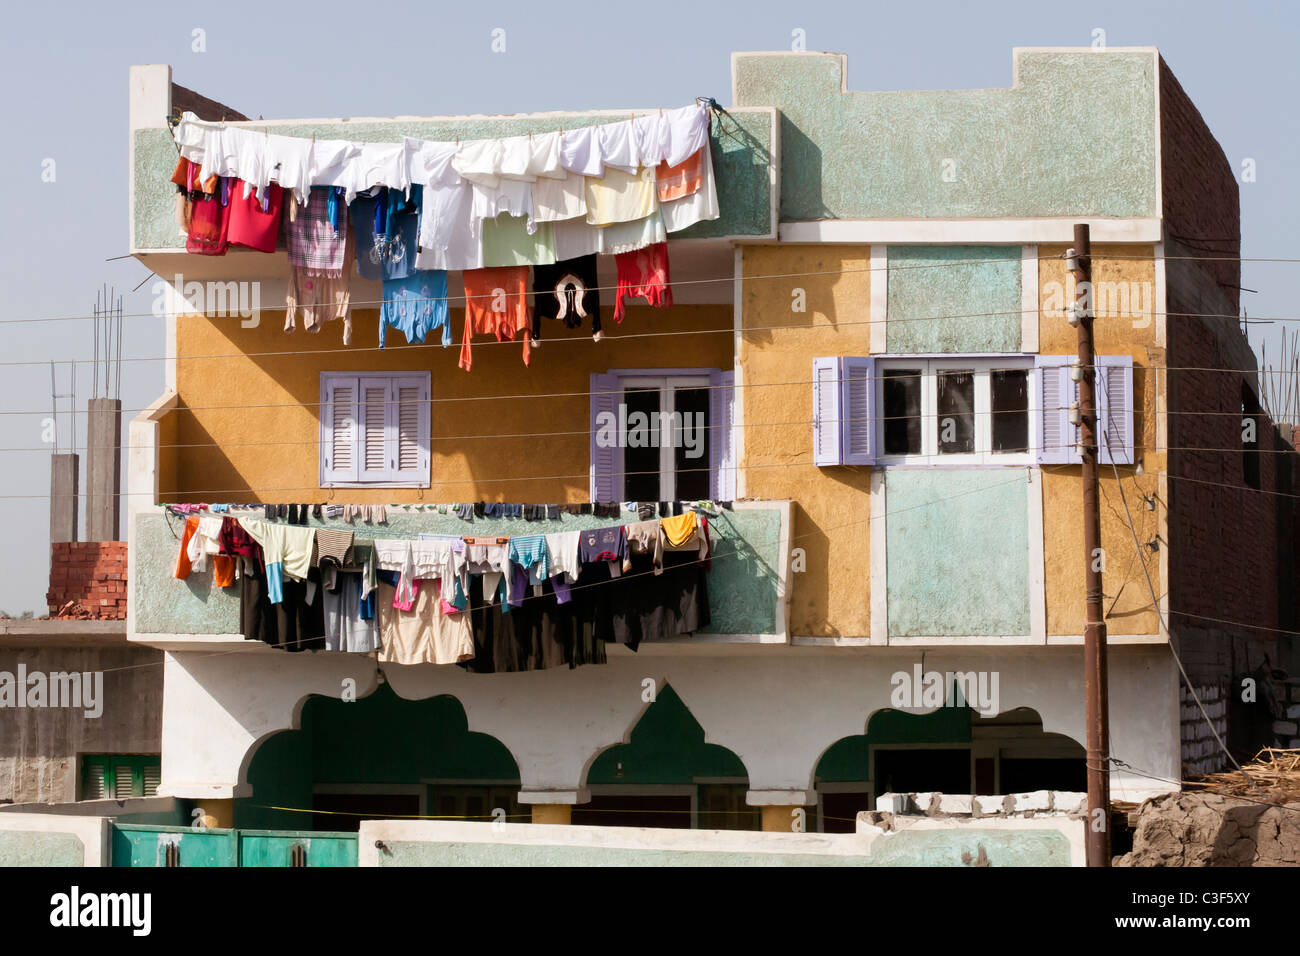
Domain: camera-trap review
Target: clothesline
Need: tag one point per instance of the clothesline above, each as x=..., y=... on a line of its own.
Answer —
x=259, y=157
x=454, y=598
x=492, y=209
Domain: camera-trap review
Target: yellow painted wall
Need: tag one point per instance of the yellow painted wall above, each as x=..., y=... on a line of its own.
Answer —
x=1128, y=599
x=832, y=506
x=261, y=410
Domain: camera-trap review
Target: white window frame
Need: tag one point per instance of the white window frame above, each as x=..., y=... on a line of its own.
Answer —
x=982, y=366
x=667, y=385
x=394, y=478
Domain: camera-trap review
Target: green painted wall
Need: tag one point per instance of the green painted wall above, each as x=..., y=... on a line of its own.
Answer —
x=40, y=848
x=848, y=761
x=982, y=299
x=1075, y=136
x=943, y=583
x=378, y=739
x=742, y=584
x=741, y=144
x=667, y=746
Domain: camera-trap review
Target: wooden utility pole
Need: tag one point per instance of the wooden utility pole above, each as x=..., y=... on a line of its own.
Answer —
x=1096, y=703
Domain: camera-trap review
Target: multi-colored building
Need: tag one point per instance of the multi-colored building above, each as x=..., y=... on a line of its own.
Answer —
x=874, y=330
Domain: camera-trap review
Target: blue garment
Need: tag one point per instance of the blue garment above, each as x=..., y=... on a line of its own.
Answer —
x=527, y=550
x=415, y=306
x=274, y=582
x=387, y=226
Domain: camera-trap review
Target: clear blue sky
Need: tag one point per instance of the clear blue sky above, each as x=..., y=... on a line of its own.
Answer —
x=65, y=72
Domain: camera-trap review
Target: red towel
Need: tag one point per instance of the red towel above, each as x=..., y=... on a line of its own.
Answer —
x=643, y=274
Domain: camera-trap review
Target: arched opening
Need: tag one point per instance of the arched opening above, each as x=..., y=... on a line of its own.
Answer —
x=380, y=757
x=667, y=776
x=952, y=750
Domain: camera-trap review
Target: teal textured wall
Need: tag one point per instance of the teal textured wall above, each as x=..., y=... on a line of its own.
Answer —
x=1075, y=136
x=903, y=848
x=982, y=299
x=957, y=547
x=40, y=848
x=741, y=143
x=742, y=583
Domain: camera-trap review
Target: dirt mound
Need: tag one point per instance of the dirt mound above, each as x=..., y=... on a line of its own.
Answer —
x=1208, y=829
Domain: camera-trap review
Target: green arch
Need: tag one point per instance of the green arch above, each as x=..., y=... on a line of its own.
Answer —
x=379, y=739
x=666, y=746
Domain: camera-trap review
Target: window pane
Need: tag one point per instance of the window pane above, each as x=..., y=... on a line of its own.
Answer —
x=955, y=410
x=691, y=436
x=641, y=445
x=1010, y=405
x=902, y=411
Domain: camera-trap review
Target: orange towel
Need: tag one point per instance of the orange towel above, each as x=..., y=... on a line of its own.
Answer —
x=496, y=303
x=223, y=570
x=684, y=179
x=183, y=565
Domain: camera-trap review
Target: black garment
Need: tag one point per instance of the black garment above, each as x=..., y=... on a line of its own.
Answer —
x=584, y=509
x=643, y=606
x=480, y=508
x=553, y=512
x=538, y=634
x=665, y=510
x=293, y=624
x=556, y=293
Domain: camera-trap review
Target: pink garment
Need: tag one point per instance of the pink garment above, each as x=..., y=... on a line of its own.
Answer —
x=443, y=604
x=408, y=604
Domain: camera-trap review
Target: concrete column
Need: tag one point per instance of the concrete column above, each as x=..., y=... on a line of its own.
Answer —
x=104, y=470
x=218, y=814
x=778, y=819
x=554, y=806
x=64, y=480
x=779, y=806
x=561, y=813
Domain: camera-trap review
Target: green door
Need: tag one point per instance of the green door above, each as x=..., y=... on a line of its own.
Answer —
x=138, y=845
x=281, y=848
x=148, y=846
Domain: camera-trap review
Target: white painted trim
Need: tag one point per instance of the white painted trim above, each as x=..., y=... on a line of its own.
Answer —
x=550, y=797
x=878, y=313
x=879, y=610
x=780, y=798
x=1029, y=298
x=965, y=231
x=1037, y=560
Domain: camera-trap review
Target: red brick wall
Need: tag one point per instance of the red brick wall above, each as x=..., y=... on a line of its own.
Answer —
x=90, y=573
x=1201, y=204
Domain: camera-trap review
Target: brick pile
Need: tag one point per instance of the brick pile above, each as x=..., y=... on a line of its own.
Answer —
x=88, y=580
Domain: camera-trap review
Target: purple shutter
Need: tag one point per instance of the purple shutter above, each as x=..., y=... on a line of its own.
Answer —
x=606, y=479
x=722, y=437
x=376, y=458
x=338, y=429
x=1115, y=407
x=410, y=414
x=858, y=407
x=826, y=412
x=1057, y=438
